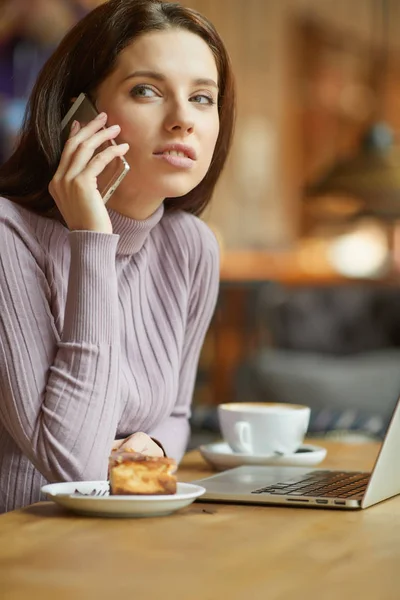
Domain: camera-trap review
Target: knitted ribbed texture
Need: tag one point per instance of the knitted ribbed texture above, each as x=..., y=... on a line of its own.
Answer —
x=99, y=337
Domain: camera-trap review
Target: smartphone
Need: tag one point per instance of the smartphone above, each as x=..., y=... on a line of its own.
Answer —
x=84, y=111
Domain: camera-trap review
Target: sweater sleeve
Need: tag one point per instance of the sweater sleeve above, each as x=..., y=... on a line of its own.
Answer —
x=58, y=394
x=173, y=433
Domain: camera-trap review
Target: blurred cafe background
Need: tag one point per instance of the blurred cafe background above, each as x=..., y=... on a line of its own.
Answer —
x=307, y=213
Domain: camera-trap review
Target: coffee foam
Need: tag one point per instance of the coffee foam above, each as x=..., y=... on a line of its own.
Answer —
x=254, y=407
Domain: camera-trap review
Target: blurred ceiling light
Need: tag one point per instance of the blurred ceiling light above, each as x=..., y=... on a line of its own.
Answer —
x=362, y=253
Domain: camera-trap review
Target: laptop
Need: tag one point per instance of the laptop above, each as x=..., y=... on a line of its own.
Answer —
x=298, y=486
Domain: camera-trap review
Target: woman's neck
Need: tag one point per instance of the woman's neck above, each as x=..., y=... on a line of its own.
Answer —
x=133, y=208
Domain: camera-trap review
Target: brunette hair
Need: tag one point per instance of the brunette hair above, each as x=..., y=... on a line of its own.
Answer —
x=84, y=58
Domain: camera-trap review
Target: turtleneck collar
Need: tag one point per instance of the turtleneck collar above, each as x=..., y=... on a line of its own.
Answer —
x=132, y=233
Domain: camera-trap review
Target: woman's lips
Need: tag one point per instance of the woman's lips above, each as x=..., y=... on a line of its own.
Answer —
x=179, y=162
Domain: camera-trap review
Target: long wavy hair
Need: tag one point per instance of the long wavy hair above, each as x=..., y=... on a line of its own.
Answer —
x=83, y=59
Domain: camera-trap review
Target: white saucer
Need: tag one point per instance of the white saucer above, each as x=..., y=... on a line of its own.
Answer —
x=118, y=506
x=221, y=457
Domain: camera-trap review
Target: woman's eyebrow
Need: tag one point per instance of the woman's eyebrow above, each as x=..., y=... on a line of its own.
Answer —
x=161, y=77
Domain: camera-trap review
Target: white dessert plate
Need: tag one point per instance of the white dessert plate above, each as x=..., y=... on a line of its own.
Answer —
x=92, y=498
x=220, y=456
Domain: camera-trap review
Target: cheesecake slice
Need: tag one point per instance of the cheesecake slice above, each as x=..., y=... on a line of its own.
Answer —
x=132, y=473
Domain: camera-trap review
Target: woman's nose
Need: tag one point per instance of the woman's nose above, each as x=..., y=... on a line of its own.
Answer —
x=179, y=120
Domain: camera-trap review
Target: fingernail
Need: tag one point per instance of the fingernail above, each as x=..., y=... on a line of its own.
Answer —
x=114, y=128
x=101, y=115
x=124, y=146
x=74, y=126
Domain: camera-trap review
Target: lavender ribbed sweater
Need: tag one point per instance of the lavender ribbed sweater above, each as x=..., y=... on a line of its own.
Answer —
x=100, y=336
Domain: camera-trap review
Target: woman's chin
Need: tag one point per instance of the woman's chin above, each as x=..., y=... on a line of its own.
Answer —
x=174, y=192
x=177, y=186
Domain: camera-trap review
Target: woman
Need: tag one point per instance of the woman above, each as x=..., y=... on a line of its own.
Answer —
x=103, y=309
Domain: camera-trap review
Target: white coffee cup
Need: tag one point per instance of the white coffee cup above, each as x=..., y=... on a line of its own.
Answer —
x=264, y=428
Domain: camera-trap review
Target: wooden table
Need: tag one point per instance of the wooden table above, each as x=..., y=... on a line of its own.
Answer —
x=207, y=551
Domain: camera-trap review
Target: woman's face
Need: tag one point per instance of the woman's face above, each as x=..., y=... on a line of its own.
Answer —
x=163, y=93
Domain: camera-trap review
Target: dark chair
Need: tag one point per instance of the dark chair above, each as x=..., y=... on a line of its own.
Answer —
x=333, y=348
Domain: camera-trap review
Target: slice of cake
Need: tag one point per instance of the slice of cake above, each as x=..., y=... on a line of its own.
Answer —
x=133, y=473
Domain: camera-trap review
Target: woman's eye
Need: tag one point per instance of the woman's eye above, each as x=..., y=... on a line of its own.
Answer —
x=143, y=91
x=202, y=99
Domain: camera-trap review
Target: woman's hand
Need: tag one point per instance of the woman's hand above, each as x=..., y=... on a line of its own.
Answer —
x=74, y=185
x=139, y=442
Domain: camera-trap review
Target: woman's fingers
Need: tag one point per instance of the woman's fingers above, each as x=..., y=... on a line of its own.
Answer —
x=74, y=185
x=116, y=445
x=88, y=148
x=97, y=164
x=80, y=148
x=141, y=442
x=77, y=136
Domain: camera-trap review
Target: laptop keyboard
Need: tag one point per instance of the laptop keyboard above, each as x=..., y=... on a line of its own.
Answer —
x=325, y=484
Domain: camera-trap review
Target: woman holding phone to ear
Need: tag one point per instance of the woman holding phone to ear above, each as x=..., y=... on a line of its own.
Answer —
x=104, y=308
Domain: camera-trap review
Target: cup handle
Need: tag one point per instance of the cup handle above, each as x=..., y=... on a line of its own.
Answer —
x=243, y=436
